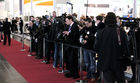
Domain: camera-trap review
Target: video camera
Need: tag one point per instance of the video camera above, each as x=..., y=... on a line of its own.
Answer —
x=59, y=25
x=130, y=22
x=61, y=18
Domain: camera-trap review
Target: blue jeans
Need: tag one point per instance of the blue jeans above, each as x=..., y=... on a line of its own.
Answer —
x=89, y=63
x=57, y=52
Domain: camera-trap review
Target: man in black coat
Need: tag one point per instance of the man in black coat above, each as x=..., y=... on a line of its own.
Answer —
x=133, y=64
x=138, y=52
x=72, y=36
x=7, y=31
x=100, y=24
x=21, y=25
x=38, y=38
x=110, y=47
x=1, y=30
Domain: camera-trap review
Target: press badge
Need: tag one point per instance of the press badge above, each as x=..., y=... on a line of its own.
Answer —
x=88, y=32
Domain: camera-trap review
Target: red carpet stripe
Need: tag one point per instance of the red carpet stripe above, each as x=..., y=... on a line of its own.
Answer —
x=29, y=67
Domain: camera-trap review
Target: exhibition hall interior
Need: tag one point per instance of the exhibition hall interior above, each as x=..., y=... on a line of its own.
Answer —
x=69, y=41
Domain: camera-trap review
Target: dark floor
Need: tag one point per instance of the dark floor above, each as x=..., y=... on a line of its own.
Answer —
x=8, y=74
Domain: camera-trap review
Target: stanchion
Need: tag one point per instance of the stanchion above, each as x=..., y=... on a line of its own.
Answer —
x=43, y=50
x=62, y=71
x=43, y=47
x=102, y=77
x=22, y=43
x=30, y=47
x=81, y=69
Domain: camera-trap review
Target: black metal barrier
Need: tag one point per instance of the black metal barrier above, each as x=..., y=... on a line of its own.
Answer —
x=62, y=45
x=22, y=39
x=81, y=58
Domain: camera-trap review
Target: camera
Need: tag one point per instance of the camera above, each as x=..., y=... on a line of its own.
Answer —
x=130, y=22
x=81, y=39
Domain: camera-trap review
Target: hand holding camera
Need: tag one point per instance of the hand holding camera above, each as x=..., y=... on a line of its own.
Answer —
x=66, y=33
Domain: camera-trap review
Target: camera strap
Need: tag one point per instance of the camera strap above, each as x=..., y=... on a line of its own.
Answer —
x=119, y=38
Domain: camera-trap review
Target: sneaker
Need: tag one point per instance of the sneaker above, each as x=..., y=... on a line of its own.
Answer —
x=43, y=61
x=54, y=67
x=84, y=77
x=92, y=79
x=47, y=62
x=75, y=77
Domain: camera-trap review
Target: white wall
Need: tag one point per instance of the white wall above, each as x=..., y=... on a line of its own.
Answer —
x=7, y=8
x=3, y=13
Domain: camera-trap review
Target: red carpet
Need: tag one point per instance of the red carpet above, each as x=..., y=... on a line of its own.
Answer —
x=29, y=67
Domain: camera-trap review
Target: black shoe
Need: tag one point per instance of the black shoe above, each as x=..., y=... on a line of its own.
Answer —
x=131, y=81
x=75, y=77
x=38, y=57
x=47, y=62
x=68, y=75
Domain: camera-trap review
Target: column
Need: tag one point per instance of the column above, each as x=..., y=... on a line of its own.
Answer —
x=135, y=9
x=54, y=5
x=31, y=12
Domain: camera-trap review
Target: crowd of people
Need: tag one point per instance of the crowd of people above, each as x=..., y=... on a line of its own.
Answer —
x=102, y=39
x=7, y=27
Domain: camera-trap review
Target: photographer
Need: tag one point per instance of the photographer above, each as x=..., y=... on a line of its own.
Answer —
x=72, y=36
x=38, y=38
x=59, y=27
x=138, y=52
x=111, y=45
x=32, y=29
x=133, y=64
x=46, y=26
x=51, y=37
x=100, y=24
x=87, y=43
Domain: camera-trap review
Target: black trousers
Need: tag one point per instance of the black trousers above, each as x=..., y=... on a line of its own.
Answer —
x=40, y=48
x=21, y=29
x=7, y=35
x=112, y=76
x=49, y=51
x=71, y=56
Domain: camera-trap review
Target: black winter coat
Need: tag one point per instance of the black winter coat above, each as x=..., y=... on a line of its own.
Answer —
x=7, y=27
x=73, y=37
x=90, y=32
x=138, y=43
x=109, y=50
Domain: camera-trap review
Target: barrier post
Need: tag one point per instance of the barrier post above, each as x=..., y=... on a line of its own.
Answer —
x=30, y=46
x=22, y=43
x=81, y=69
x=62, y=71
x=44, y=47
